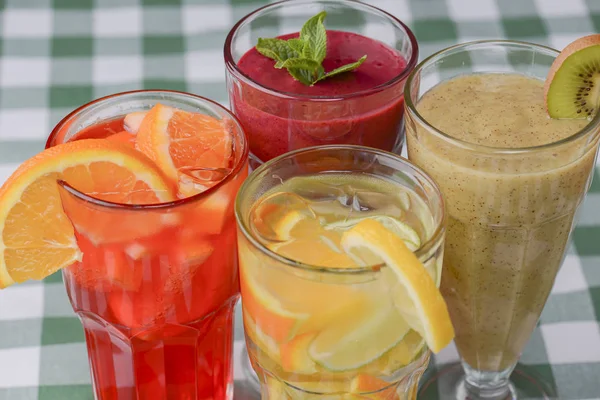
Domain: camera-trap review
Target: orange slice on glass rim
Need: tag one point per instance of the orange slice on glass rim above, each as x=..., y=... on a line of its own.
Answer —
x=188, y=147
x=36, y=236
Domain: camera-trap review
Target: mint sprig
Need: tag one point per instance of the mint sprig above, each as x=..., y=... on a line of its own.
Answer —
x=303, y=56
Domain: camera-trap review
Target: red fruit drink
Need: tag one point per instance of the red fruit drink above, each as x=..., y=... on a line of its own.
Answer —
x=156, y=298
x=363, y=107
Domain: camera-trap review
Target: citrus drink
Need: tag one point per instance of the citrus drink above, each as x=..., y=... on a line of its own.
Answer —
x=134, y=199
x=336, y=302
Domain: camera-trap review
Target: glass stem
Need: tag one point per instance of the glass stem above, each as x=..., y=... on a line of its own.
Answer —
x=485, y=385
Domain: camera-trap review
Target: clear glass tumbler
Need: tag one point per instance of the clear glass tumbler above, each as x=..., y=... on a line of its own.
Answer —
x=332, y=301
x=510, y=214
x=157, y=285
x=279, y=121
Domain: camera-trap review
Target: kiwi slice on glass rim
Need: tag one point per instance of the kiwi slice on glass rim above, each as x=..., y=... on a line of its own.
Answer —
x=572, y=87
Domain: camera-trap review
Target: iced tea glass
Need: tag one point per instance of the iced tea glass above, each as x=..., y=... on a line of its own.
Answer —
x=350, y=308
x=157, y=285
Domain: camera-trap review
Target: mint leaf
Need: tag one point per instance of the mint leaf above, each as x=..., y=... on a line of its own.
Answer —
x=305, y=76
x=277, y=49
x=303, y=56
x=314, y=36
x=343, y=68
x=303, y=63
x=296, y=44
x=304, y=70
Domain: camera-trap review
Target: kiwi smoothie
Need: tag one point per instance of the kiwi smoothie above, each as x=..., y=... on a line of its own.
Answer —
x=510, y=208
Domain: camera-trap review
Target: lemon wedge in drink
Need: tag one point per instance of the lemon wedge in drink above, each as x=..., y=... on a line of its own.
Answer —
x=402, y=230
x=420, y=301
x=405, y=352
x=356, y=339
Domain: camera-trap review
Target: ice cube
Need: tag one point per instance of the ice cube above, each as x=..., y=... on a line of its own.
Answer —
x=133, y=120
x=283, y=208
x=370, y=201
x=196, y=180
x=367, y=202
x=206, y=176
x=313, y=190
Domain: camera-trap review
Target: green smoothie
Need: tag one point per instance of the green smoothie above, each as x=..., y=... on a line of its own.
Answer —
x=510, y=210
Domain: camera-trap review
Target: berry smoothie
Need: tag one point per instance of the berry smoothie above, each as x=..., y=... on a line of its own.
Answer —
x=362, y=107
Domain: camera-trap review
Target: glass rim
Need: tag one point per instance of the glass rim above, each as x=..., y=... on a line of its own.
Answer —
x=233, y=68
x=245, y=149
x=593, y=124
x=421, y=252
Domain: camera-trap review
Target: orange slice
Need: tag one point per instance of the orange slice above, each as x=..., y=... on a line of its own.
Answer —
x=123, y=137
x=36, y=237
x=180, y=141
x=277, y=301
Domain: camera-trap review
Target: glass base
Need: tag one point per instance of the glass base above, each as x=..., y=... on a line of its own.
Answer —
x=250, y=376
x=449, y=384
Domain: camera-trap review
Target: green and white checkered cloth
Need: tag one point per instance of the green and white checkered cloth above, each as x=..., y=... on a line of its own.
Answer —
x=59, y=54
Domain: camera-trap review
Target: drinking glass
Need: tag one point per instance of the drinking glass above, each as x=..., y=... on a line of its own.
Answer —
x=291, y=379
x=157, y=285
x=277, y=122
x=510, y=214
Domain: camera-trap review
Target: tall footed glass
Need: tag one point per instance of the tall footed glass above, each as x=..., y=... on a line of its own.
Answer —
x=157, y=285
x=318, y=324
x=511, y=205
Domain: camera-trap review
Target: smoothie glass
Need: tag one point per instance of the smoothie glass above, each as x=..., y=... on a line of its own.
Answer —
x=510, y=214
x=380, y=358
x=277, y=122
x=156, y=295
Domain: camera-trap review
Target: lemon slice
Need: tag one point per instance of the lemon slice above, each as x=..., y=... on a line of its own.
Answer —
x=405, y=352
x=424, y=309
x=283, y=227
x=296, y=232
x=284, y=305
x=359, y=338
x=260, y=339
x=294, y=355
x=406, y=233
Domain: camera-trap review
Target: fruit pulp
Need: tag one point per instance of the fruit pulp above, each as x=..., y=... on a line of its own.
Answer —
x=331, y=334
x=509, y=215
x=277, y=124
x=157, y=302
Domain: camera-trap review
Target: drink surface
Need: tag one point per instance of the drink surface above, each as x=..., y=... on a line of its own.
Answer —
x=276, y=125
x=510, y=215
x=496, y=110
x=312, y=332
x=382, y=65
x=156, y=300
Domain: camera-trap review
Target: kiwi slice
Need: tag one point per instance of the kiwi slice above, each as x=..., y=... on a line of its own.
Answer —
x=573, y=84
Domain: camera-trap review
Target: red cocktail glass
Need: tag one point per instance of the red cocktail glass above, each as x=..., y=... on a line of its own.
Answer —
x=156, y=295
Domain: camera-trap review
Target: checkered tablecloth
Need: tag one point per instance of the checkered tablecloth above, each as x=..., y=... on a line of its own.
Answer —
x=59, y=54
